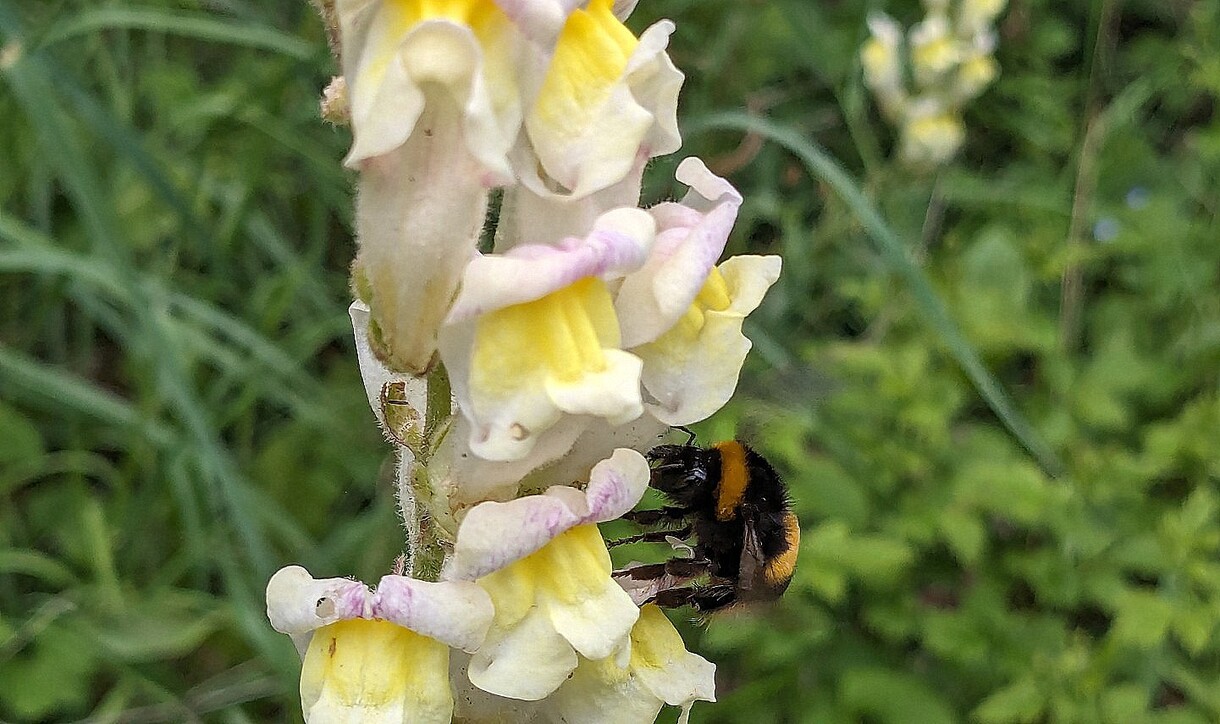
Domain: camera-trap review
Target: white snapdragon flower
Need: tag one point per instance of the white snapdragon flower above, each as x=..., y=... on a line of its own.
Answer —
x=978, y=67
x=934, y=48
x=682, y=314
x=533, y=336
x=435, y=107
x=882, y=61
x=376, y=656
x=677, y=312
x=606, y=100
x=932, y=134
x=544, y=565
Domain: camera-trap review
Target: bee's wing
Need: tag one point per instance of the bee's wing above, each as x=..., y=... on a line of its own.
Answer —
x=751, y=556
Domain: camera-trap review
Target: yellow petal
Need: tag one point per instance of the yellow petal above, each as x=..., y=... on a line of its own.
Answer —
x=560, y=336
x=589, y=60
x=372, y=671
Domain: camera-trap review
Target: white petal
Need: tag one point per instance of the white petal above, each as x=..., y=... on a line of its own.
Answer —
x=612, y=394
x=297, y=603
x=527, y=217
x=420, y=211
x=475, y=706
x=582, y=149
x=692, y=377
x=664, y=666
x=601, y=693
x=596, y=625
x=527, y=661
x=472, y=479
x=689, y=386
x=392, y=76
x=597, y=441
x=375, y=374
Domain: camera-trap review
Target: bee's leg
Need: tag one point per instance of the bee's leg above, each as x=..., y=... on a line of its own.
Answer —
x=652, y=536
x=674, y=597
x=687, y=567
x=670, y=514
x=646, y=572
x=689, y=440
x=707, y=599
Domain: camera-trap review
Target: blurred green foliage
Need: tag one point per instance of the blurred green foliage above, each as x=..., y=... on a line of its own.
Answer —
x=180, y=411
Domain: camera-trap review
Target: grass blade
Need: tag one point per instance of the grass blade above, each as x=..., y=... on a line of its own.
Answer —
x=895, y=254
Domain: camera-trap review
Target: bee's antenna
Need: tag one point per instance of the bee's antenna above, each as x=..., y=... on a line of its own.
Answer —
x=690, y=440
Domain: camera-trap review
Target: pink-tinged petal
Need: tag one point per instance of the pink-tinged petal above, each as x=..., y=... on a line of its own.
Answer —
x=456, y=613
x=492, y=535
x=297, y=603
x=691, y=237
x=616, y=485
x=618, y=243
x=495, y=534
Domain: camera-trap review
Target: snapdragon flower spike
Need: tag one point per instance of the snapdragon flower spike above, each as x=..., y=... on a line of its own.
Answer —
x=376, y=656
x=544, y=564
x=533, y=336
x=606, y=100
x=435, y=107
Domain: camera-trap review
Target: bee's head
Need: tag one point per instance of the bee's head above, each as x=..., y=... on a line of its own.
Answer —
x=682, y=472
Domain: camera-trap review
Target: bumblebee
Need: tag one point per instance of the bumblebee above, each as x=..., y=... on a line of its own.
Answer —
x=735, y=507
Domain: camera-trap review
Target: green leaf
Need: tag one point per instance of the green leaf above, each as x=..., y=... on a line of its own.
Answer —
x=192, y=25
x=1143, y=619
x=164, y=625
x=51, y=676
x=1017, y=703
x=20, y=440
x=891, y=697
